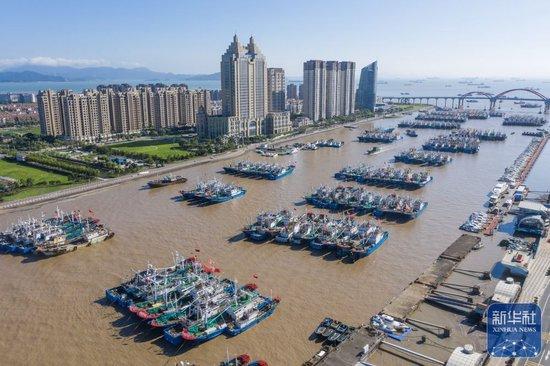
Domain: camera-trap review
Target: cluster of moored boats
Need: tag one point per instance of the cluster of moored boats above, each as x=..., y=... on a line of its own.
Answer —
x=362, y=201
x=443, y=115
x=483, y=135
x=333, y=331
x=477, y=114
x=513, y=173
x=190, y=302
x=273, y=151
x=65, y=232
x=385, y=176
x=384, y=136
x=413, y=156
x=476, y=222
x=436, y=125
x=328, y=143
x=259, y=170
x=214, y=191
x=524, y=120
x=346, y=237
x=452, y=143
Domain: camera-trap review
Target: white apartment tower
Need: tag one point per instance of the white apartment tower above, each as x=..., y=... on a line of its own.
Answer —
x=244, y=81
x=329, y=89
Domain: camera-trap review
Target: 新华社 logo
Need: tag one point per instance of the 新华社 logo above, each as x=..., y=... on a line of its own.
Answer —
x=514, y=330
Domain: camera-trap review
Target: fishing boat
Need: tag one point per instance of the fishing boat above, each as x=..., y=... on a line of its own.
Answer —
x=65, y=232
x=413, y=156
x=214, y=191
x=329, y=143
x=436, y=125
x=267, y=225
x=166, y=181
x=395, y=206
x=247, y=316
x=385, y=176
x=378, y=135
x=259, y=170
x=524, y=120
x=452, y=143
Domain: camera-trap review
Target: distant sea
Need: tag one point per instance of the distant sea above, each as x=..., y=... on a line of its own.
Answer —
x=386, y=87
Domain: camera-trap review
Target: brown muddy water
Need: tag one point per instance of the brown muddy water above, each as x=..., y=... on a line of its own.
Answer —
x=54, y=310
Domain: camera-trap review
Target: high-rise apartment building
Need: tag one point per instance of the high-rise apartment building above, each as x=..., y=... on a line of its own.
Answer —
x=276, y=89
x=346, y=89
x=51, y=122
x=314, y=88
x=292, y=91
x=245, y=100
x=366, y=92
x=195, y=105
x=244, y=80
x=119, y=109
x=328, y=89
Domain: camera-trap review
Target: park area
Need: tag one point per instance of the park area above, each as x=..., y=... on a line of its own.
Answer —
x=166, y=150
x=36, y=181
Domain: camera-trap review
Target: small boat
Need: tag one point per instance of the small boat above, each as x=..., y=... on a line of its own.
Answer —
x=242, y=360
x=373, y=150
x=323, y=326
x=393, y=328
x=165, y=181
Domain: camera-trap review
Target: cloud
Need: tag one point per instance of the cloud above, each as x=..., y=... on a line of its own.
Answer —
x=60, y=61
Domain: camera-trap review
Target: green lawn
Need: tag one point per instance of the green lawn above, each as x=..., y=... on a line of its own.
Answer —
x=35, y=191
x=13, y=131
x=22, y=172
x=161, y=149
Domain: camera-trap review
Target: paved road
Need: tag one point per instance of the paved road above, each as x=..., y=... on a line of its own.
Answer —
x=544, y=356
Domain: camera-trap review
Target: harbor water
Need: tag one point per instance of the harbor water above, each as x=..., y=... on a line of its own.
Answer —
x=54, y=309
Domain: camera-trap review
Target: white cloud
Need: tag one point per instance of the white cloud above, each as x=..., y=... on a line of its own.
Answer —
x=60, y=61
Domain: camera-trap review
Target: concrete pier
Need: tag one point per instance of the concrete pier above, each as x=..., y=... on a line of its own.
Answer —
x=352, y=350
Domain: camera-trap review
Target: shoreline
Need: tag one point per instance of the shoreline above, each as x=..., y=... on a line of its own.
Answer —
x=89, y=187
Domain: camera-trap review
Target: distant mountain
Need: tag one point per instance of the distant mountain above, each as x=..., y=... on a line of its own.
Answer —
x=214, y=76
x=27, y=76
x=67, y=73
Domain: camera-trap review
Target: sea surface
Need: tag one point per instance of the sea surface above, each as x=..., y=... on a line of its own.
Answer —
x=54, y=309
x=386, y=87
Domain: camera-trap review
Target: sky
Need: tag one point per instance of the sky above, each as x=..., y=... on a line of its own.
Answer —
x=421, y=38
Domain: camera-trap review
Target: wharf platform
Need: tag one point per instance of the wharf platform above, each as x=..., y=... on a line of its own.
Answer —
x=401, y=306
x=352, y=351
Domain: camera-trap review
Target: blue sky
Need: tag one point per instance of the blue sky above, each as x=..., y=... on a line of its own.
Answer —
x=446, y=38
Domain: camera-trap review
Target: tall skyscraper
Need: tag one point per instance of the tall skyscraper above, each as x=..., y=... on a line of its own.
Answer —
x=276, y=89
x=292, y=91
x=315, y=88
x=346, y=89
x=244, y=81
x=366, y=93
x=328, y=89
x=51, y=122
